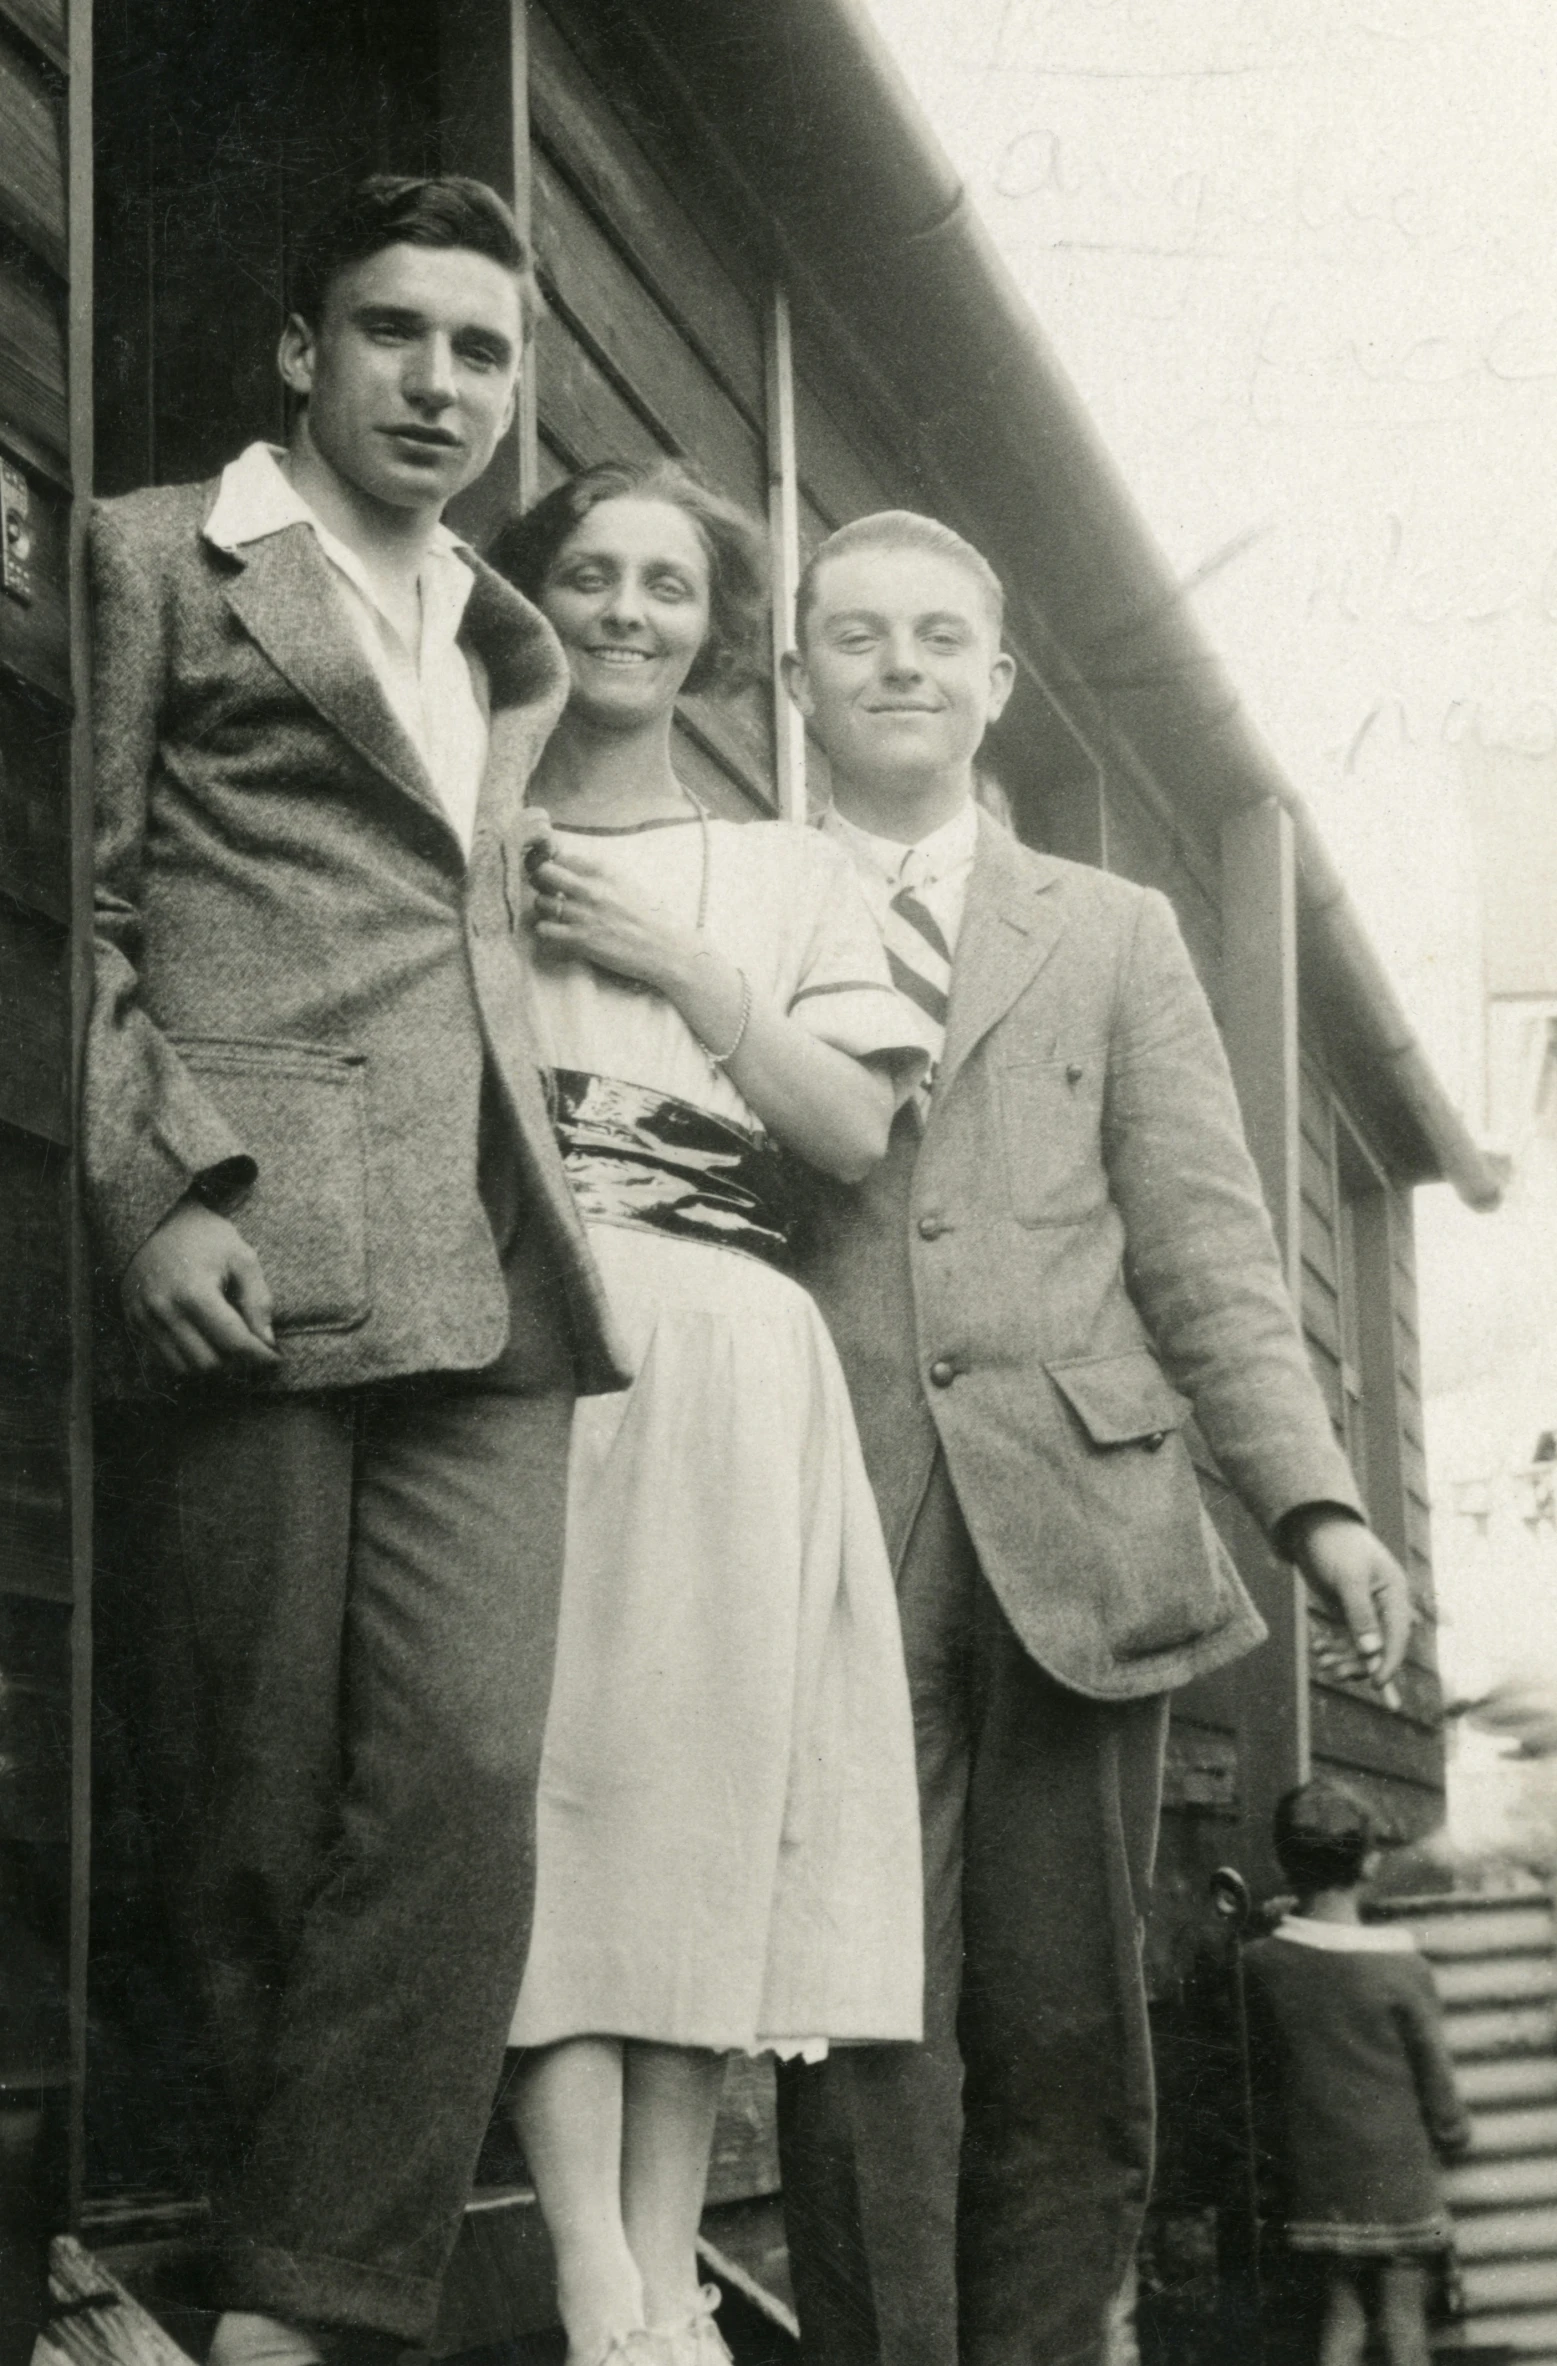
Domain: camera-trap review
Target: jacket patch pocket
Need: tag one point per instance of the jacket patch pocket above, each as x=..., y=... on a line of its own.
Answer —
x=1051, y=1120
x=1167, y=1586
x=300, y=1111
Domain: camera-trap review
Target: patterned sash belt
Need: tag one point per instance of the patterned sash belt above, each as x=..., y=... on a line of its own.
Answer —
x=635, y=1156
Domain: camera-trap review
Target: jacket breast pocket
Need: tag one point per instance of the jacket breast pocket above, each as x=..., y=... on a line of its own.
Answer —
x=300, y=1110
x=1051, y=1114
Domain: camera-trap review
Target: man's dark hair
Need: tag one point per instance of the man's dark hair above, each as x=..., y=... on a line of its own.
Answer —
x=397, y=209
x=1324, y=1835
x=732, y=655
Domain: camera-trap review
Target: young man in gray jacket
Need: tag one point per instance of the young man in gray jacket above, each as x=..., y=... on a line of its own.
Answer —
x=353, y=1298
x=1064, y=1256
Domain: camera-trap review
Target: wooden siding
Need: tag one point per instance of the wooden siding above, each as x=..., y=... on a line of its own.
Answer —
x=1396, y=1757
x=651, y=346
x=219, y=136
x=44, y=1491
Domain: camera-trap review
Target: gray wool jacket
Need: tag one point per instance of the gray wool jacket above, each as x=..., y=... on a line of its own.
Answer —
x=309, y=1003
x=1074, y=1261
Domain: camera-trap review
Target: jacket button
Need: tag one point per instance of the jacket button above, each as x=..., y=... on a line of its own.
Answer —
x=931, y=1227
x=943, y=1371
x=1157, y=1440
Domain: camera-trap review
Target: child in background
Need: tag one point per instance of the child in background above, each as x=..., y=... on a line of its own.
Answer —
x=1345, y=2023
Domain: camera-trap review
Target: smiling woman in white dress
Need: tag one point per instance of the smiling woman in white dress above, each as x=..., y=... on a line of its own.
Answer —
x=728, y=1852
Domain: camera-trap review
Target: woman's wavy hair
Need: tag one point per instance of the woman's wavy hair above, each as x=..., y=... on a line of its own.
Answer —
x=524, y=549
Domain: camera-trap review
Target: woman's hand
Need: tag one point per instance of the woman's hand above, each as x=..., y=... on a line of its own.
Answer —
x=827, y=1108
x=581, y=914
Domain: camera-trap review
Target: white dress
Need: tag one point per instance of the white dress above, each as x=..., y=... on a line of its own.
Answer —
x=728, y=1845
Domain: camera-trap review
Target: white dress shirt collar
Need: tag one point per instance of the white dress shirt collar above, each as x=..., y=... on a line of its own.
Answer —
x=1348, y=1938
x=257, y=497
x=924, y=862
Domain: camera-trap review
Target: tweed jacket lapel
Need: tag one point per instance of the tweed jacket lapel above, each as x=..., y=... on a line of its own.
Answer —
x=283, y=597
x=1015, y=917
x=528, y=678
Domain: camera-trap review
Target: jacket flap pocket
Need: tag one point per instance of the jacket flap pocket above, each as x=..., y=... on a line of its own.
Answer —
x=1120, y=1400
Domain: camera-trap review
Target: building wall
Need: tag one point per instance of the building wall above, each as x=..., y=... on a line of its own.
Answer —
x=678, y=321
x=44, y=1633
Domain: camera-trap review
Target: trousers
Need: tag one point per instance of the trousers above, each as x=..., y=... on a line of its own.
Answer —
x=979, y=2197
x=333, y=1621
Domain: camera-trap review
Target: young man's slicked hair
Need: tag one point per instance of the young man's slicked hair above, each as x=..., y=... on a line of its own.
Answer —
x=899, y=529
x=399, y=209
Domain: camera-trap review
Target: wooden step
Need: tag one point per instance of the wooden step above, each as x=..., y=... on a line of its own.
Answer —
x=1511, y=2029
x=1511, y=1930
x=97, y=2322
x=1508, y=2234
x=1523, y=2079
x=1508, y=2284
x=1494, y=1979
x=1487, y=2185
x=1501, y=2134
x=1531, y=2336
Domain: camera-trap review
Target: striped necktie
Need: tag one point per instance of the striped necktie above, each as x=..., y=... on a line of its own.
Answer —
x=921, y=965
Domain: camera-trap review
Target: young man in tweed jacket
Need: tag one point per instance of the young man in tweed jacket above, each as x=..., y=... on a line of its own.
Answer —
x=352, y=1301
x=1063, y=1257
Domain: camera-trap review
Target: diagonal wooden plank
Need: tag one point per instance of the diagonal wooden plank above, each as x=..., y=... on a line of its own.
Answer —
x=94, y=2320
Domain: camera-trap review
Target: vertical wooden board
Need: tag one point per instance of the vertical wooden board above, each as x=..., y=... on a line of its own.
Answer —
x=1314, y=1102
x=32, y=161
x=484, y=130
x=34, y=1301
x=34, y=1024
x=32, y=358
x=35, y=1742
x=35, y=634
x=641, y=347
x=34, y=801
x=837, y=481
x=34, y=1496
x=610, y=172
x=1140, y=847
x=223, y=132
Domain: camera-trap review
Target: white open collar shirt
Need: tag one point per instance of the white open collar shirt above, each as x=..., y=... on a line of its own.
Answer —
x=437, y=692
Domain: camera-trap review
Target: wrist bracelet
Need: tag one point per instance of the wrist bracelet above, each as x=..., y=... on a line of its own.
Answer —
x=723, y=1059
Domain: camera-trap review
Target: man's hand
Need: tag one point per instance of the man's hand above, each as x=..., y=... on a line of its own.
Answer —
x=1354, y=1574
x=196, y=1296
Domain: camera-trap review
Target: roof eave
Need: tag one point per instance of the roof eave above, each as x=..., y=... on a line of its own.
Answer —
x=827, y=129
